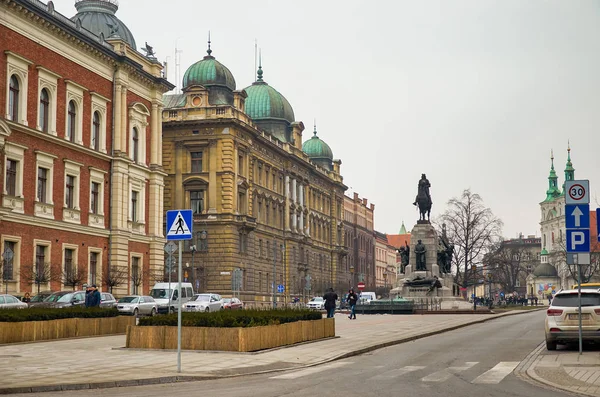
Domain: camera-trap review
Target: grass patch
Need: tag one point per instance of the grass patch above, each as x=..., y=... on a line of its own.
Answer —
x=45, y=314
x=234, y=318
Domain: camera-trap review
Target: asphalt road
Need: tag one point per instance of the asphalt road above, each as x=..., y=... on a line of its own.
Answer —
x=474, y=361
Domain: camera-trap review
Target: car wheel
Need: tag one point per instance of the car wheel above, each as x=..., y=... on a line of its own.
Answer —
x=153, y=312
x=221, y=308
x=135, y=312
x=550, y=345
x=207, y=309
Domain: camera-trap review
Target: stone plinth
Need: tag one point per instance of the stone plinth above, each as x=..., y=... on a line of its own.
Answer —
x=426, y=233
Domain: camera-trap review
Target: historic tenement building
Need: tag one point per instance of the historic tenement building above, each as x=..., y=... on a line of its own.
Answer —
x=80, y=140
x=267, y=208
x=360, y=240
x=385, y=262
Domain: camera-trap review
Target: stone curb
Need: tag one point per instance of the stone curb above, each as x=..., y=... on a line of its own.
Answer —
x=175, y=379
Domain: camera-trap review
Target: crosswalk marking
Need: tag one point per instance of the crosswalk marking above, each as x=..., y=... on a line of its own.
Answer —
x=446, y=373
x=496, y=374
x=397, y=372
x=311, y=370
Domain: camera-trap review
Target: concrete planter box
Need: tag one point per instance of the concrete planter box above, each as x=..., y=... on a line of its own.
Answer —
x=30, y=331
x=229, y=339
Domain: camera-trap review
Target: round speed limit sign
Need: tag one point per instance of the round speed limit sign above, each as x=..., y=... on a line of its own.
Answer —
x=577, y=192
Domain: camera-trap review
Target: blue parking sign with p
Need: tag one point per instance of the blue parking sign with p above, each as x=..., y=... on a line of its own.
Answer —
x=578, y=240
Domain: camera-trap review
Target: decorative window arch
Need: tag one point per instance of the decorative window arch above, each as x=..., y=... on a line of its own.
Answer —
x=14, y=90
x=95, y=142
x=138, y=120
x=74, y=112
x=44, y=119
x=71, y=121
x=17, y=76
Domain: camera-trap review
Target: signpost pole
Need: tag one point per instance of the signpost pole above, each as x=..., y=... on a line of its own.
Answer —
x=179, y=271
x=274, y=274
x=579, y=301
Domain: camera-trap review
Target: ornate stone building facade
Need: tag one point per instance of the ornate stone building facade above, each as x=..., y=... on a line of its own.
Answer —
x=81, y=185
x=360, y=240
x=267, y=209
x=385, y=262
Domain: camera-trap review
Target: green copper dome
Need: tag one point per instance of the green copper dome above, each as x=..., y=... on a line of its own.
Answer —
x=208, y=72
x=98, y=16
x=544, y=251
x=545, y=270
x=315, y=148
x=265, y=102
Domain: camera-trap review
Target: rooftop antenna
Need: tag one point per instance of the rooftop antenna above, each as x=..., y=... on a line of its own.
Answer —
x=255, y=55
x=177, y=67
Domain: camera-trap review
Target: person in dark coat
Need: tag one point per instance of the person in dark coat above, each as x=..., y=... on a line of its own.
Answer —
x=330, y=297
x=95, y=297
x=352, y=299
x=88, y=295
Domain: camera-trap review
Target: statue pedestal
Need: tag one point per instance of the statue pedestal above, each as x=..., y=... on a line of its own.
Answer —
x=426, y=233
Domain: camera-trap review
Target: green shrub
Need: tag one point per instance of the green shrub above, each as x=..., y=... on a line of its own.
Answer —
x=234, y=318
x=45, y=314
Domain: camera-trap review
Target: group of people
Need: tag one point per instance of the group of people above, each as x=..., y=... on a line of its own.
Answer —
x=92, y=296
x=330, y=297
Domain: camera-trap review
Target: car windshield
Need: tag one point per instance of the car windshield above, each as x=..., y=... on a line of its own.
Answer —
x=65, y=298
x=316, y=300
x=202, y=298
x=53, y=298
x=160, y=293
x=129, y=299
x=571, y=300
x=38, y=298
x=226, y=300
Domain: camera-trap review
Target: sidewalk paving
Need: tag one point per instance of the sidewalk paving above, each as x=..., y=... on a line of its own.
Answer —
x=104, y=362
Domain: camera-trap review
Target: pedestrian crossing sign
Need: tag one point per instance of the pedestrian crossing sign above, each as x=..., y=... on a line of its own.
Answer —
x=179, y=224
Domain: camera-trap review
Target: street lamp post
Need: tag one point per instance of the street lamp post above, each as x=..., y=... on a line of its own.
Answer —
x=474, y=269
x=351, y=276
x=194, y=249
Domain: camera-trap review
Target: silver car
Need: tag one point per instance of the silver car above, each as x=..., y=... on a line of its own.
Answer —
x=137, y=305
x=11, y=302
x=107, y=300
x=204, y=303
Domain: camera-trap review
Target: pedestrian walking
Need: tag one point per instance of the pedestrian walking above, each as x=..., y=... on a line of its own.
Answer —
x=95, y=297
x=352, y=299
x=27, y=297
x=330, y=297
x=88, y=295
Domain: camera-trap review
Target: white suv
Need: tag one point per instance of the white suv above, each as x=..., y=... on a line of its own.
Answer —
x=562, y=318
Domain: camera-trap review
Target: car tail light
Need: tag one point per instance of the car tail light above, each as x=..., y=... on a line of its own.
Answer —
x=554, y=312
x=554, y=329
x=597, y=311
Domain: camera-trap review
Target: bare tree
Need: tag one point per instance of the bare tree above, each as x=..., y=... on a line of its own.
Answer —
x=73, y=275
x=472, y=228
x=137, y=278
x=558, y=258
x=39, y=274
x=508, y=265
x=115, y=276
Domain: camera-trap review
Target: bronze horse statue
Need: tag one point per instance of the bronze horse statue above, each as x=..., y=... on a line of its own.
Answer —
x=424, y=203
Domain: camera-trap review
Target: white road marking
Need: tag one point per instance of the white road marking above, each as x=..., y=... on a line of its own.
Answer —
x=397, y=372
x=496, y=374
x=446, y=373
x=311, y=370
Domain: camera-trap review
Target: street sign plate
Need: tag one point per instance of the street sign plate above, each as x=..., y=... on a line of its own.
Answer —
x=170, y=247
x=577, y=192
x=578, y=240
x=598, y=223
x=583, y=258
x=577, y=216
x=179, y=224
x=280, y=288
x=361, y=286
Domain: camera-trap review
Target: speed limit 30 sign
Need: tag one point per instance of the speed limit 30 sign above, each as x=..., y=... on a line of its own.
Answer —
x=577, y=192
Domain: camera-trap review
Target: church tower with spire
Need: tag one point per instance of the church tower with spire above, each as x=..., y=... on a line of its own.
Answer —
x=569, y=170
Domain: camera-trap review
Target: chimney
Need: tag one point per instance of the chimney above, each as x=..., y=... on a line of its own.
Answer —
x=372, y=207
x=355, y=196
x=365, y=201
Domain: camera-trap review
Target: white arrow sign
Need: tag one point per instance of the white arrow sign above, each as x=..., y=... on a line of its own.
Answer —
x=577, y=214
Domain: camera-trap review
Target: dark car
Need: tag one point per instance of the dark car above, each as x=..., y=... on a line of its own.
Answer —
x=62, y=299
x=39, y=298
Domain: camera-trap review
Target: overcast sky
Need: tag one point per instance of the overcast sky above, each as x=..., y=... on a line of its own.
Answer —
x=473, y=93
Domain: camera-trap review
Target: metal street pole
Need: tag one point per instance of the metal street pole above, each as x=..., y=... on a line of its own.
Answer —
x=193, y=249
x=179, y=271
x=474, y=268
x=576, y=260
x=274, y=273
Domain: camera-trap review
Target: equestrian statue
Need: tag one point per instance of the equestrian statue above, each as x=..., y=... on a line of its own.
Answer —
x=423, y=199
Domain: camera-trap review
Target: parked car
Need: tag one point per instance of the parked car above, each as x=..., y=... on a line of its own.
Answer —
x=562, y=317
x=62, y=299
x=137, y=305
x=204, y=303
x=232, y=304
x=39, y=298
x=167, y=295
x=316, y=303
x=366, y=297
x=107, y=300
x=11, y=302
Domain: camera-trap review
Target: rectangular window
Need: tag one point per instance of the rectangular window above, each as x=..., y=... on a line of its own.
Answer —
x=134, y=206
x=42, y=185
x=69, y=191
x=11, y=177
x=240, y=165
x=135, y=274
x=93, y=267
x=69, y=262
x=260, y=282
x=7, y=265
x=197, y=201
x=40, y=260
x=241, y=204
x=243, y=242
x=196, y=162
x=95, y=197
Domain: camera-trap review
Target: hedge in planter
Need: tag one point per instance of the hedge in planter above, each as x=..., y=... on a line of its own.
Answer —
x=234, y=318
x=46, y=314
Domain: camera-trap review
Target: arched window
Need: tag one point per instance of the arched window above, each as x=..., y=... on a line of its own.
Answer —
x=44, y=110
x=71, y=117
x=135, y=138
x=13, y=99
x=96, y=131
